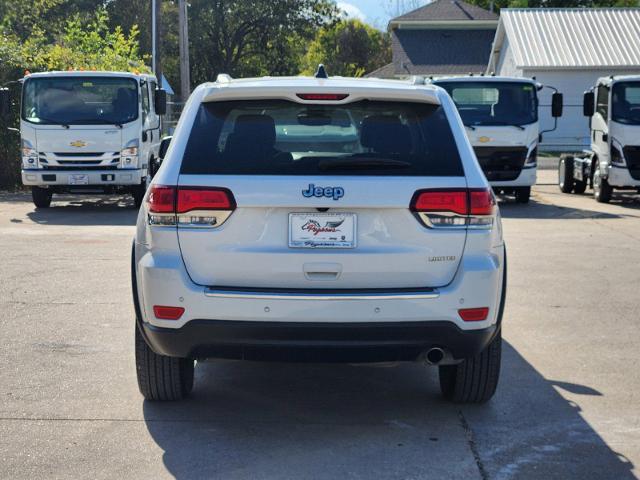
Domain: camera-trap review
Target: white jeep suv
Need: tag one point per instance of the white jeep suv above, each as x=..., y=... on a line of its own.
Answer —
x=319, y=219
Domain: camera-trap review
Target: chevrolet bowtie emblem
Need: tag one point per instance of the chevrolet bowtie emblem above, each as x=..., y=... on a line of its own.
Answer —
x=78, y=143
x=484, y=139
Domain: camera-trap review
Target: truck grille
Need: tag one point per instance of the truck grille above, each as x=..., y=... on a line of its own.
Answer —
x=501, y=163
x=632, y=156
x=80, y=167
x=78, y=154
x=76, y=162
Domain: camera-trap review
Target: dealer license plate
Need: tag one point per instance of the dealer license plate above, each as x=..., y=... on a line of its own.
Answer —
x=322, y=230
x=76, y=179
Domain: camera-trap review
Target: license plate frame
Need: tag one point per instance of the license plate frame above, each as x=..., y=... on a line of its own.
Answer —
x=78, y=179
x=315, y=235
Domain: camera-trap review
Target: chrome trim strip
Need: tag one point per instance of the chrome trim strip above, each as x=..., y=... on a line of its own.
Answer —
x=220, y=293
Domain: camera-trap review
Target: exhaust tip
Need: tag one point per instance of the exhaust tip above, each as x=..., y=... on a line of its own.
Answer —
x=435, y=356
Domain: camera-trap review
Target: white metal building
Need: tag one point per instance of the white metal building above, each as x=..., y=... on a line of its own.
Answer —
x=568, y=49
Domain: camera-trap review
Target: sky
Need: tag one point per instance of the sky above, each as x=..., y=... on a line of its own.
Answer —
x=378, y=12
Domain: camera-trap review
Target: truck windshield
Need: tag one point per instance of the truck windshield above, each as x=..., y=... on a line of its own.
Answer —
x=494, y=103
x=80, y=100
x=625, y=103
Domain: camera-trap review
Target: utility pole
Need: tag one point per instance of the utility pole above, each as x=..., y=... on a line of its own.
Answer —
x=156, y=39
x=183, y=20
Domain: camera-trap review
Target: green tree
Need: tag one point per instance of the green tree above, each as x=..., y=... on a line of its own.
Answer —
x=261, y=37
x=349, y=48
x=48, y=17
x=93, y=46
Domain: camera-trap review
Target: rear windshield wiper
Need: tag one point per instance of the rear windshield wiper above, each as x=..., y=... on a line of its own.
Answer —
x=365, y=162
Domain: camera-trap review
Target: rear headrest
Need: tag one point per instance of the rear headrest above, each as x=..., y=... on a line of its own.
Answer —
x=256, y=128
x=385, y=134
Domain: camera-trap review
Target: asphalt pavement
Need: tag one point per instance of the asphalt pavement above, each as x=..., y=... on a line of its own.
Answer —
x=568, y=403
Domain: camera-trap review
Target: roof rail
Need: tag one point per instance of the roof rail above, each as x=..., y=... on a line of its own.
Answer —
x=223, y=78
x=417, y=80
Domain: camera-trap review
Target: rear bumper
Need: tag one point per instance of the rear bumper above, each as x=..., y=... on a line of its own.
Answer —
x=61, y=178
x=315, y=342
x=526, y=178
x=314, y=325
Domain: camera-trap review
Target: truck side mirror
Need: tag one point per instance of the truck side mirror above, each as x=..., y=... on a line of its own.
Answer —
x=160, y=104
x=556, y=105
x=588, y=104
x=5, y=102
x=164, y=146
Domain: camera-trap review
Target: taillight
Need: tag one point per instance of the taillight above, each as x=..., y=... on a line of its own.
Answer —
x=162, y=199
x=455, y=208
x=481, y=202
x=198, y=198
x=441, y=201
x=190, y=206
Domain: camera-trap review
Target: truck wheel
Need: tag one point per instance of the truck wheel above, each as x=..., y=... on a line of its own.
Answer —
x=41, y=197
x=579, y=187
x=153, y=168
x=160, y=377
x=565, y=174
x=523, y=194
x=138, y=194
x=475, y=379
x=601, y=189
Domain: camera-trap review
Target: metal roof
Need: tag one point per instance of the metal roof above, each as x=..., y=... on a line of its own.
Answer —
x=570, y=37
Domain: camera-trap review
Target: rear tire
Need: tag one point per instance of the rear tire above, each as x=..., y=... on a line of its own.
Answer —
x=523, y=194
x=565, y=174
x=160, y=377
x=41, y=197
x=601, y=189
x=475, y=379
x=579, y=187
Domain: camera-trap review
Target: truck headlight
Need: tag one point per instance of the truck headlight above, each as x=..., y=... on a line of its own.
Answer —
x=129, y=155
x=29, y=155
x=617, y=157
x=532, y=157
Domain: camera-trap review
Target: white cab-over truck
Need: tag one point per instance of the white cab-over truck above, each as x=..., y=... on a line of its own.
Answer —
x=501, y=119
x=88, y=132
x=613, y=108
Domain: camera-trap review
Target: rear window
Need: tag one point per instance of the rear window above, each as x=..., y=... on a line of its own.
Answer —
x=276, y=137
